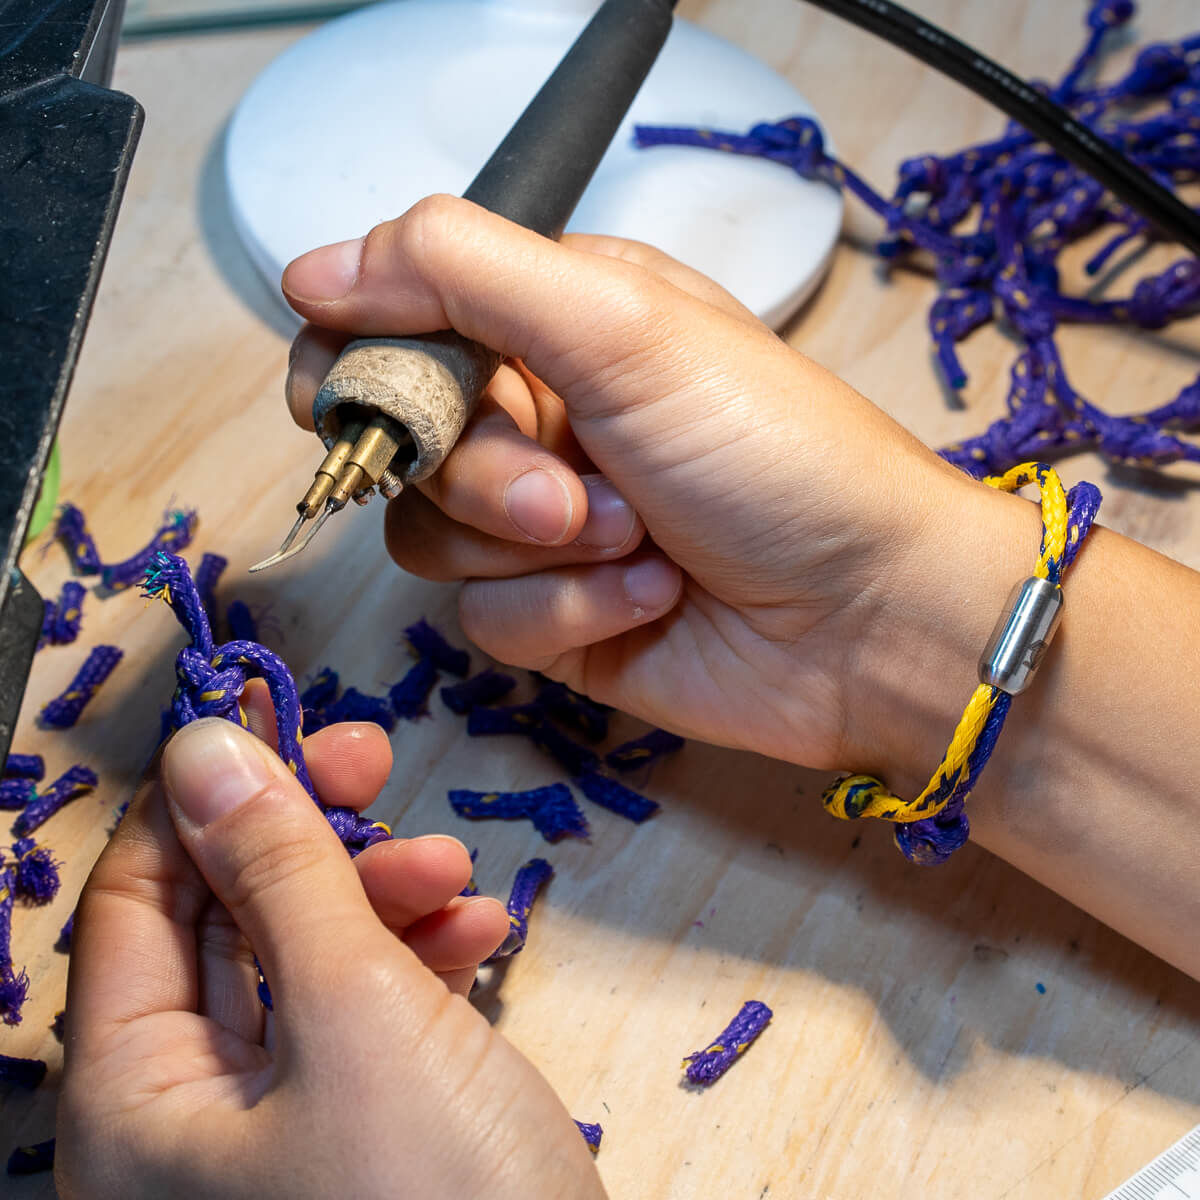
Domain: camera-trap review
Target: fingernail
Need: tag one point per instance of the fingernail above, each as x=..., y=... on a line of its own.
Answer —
x=610, y=517
x=651, y=584
x=539, y=505
x=210, y=768
x=325, y=274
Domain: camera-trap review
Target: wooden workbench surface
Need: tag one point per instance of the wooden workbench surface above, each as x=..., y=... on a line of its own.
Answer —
x=914, y=1052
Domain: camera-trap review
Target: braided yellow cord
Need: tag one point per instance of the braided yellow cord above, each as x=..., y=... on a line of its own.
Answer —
x=866, y=796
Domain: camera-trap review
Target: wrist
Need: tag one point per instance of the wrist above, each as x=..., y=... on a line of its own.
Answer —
x=915, y=665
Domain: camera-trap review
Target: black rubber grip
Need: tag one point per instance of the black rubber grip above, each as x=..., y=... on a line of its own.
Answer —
x=541, y=169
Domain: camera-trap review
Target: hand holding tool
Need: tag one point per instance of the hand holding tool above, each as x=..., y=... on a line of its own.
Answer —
x=391, y=409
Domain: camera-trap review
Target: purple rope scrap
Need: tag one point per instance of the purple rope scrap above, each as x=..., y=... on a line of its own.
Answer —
x=61, y=620
x=208, y=575
x=353, y=705
x=35, y=872
x=27, y=1073
x=63, y=711
x=579, y=762
x=210, y=679
x=25, y=766
x=72, y=531
x=574, y=709
x=616, y=797
x=485, y=688
x=322, y=706
x=529, y=881
x=63, y=945
x=14, y=984
x=16, y=793
x=472, y=888
x=410, y=697
x=708, y=1065
x=58, y=1027
x=76, y=781
x=175, y=533
x=242, y=625
x=552, y=809
x=29, y=1160
x=428, y=643
x=640, y=752
x=1026, y=205
x=591, y=1134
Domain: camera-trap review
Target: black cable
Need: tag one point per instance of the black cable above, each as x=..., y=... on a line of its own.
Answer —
x=1046, y=120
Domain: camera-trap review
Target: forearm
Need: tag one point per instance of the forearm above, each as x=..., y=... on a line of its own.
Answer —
x=1092, y=788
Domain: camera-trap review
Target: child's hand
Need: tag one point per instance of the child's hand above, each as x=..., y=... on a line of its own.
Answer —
x=369, y=1078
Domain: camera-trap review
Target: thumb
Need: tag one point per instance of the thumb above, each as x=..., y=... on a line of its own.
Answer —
x=269, y=856
x=611, y=337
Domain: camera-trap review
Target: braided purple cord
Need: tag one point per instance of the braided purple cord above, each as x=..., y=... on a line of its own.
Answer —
x=353, y=705
x=61, y=620
x=25, y=766
x=71, y=530
x=592, y=1134
x=574, y=759
x=76, y=781
x=64, y=711
x=16, y=793
x=528, y=882
x=552, y=809
x=574, y=709
x=322, y=691
x=708, y=1065
x=208, y=574
x=242, y=625
x=471, y=888
x=36, y=872
x=1029, y=205
x=410, y=697
x=210, y=680
x=520, y=719
x=29, y=1160
x=14, y=984
x=485, y=688
x=616, y=797
x=428, y=643
x=174, y=534
x=642, y=751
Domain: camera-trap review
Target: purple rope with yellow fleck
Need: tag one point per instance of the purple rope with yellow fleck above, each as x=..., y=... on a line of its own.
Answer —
x=64, y=711
x=708, y=1065
x=14, y=983
x=70, y=785
x=1028, y=204
x=529, y=880
x=210, y=679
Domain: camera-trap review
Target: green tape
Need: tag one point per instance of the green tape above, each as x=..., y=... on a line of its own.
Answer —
x=47, y=501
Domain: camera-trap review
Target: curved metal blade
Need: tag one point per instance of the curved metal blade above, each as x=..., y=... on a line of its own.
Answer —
x=287, y=550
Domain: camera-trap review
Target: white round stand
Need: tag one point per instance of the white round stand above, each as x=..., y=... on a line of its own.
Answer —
x=359, y=120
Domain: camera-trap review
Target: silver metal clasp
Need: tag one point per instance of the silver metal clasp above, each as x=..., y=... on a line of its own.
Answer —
x=1021, y=636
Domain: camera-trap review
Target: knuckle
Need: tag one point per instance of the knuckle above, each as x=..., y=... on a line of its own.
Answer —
x=425, y=227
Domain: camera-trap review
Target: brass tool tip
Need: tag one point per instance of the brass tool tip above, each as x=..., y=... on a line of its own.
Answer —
x=350, y=471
